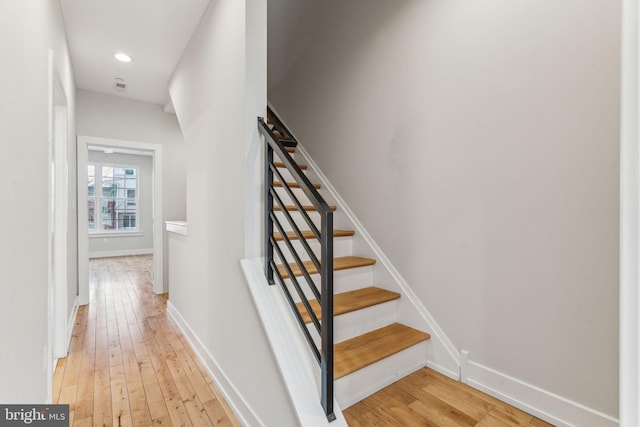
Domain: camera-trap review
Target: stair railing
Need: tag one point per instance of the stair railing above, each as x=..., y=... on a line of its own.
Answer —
x=278, y=138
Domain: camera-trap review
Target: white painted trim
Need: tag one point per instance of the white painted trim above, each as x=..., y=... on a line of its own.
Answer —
x=115, y=234
x=545, y=405
x=69, y=331
x=178, y=227
x=159, y=285
x=630, y=218
x=61, y=217
x=238, y=404
x=82, y=156
x=122, y=151
x=434, y=329
x=444, y=371
x=49, y=354
x=124, y=252
x=299, y=370
x=57, y=217
x=72, y=322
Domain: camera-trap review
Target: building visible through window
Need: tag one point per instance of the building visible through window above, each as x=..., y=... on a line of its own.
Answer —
x=114, y=207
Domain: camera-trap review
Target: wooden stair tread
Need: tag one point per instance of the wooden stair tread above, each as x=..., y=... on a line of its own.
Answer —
x=294, y=208
x=281, y=165
x=350, y=301
x=339, y=263
x=308, y=234
x=290, y=149
x=367, y=349
x=292, y=184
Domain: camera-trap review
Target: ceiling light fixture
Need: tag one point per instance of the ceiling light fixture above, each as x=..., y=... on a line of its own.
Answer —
x=122, y=57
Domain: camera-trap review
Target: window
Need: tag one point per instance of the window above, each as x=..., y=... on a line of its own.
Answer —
x=114, y=207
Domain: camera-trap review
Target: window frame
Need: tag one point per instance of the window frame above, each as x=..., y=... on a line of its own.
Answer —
x=98, y=198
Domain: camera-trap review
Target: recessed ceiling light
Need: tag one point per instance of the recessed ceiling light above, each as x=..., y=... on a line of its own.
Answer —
x=122, y=57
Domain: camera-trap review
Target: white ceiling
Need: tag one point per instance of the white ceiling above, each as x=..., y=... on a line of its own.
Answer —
x=153, y=32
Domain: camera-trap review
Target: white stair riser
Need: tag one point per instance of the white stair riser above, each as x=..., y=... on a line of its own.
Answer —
x=276, y=158
x=341, y=247
x=286, y=199
x=366, y=381
x=343, y=281
x=297, y=219
x=350, y=325
x=285, y=174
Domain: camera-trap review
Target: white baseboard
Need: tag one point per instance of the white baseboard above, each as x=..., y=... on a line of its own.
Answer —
x=125, y=252
x=241, y=409
x=444, y=371
x=71, y=322
x=543, y=404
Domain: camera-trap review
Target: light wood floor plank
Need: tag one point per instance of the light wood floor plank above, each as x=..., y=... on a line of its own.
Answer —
x=392, y=410
x=137, y=399
x=427, y=398
x=429, y=406
x=84, y=399
x=57, y=378
x=102, y=382
x=128, y=364
x=232, y=420
x=120, y=408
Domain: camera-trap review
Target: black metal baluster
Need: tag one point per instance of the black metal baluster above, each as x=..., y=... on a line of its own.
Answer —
x=268, y=207
x=326, y=286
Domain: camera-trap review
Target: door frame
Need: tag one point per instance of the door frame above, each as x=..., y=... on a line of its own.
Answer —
x=59, y=330
x=83, y=221
x=630, y=217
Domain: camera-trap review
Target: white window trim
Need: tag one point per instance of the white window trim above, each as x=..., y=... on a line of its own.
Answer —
x=118, y=233
x=98, y=232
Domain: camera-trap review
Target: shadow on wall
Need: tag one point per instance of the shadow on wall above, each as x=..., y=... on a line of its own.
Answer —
x=294, y=24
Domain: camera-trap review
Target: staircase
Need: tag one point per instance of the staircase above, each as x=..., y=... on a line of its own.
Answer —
x=365, y=332
x=369, y=348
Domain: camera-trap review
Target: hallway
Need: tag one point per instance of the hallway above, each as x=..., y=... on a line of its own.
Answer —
x=128, y=363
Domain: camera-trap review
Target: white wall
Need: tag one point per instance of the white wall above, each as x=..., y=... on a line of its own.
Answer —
x=27, y=31
x=112, y=117
x=478, y=143
x=217, y=99
x=105, y=245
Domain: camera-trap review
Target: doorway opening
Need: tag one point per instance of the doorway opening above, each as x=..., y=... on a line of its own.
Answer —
x=123, y=203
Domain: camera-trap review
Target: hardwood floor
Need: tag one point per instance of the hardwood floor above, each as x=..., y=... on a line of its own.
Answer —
x=128, y=364
x=427, y=398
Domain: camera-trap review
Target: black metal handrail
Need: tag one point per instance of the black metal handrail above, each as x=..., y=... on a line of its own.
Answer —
x=278, y=138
